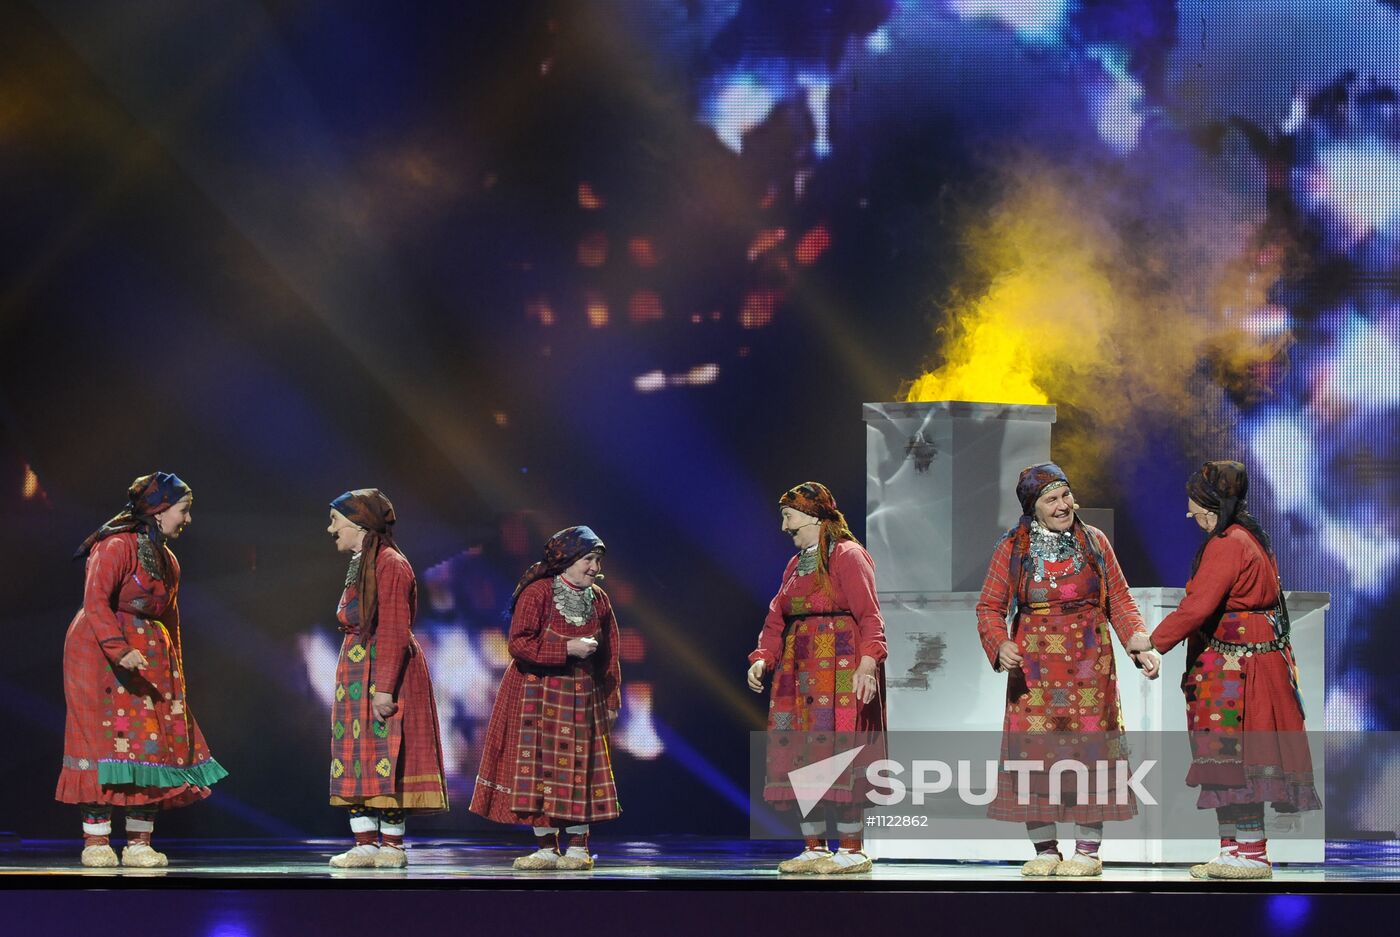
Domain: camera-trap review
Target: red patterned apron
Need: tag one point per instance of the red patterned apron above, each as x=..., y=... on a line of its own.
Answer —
x=814, y=713
x=563, y=766
x=1245, y=715
x=1063, y=702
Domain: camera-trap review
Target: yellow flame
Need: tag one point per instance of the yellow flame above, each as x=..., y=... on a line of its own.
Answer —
x=990, y=361
x=1063, y=308
x=31, y=483
x=1046, y=308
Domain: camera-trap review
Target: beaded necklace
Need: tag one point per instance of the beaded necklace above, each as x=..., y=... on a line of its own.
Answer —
x=146, y=553
x=1051, y=546
x=352, y=575
x=576, y=605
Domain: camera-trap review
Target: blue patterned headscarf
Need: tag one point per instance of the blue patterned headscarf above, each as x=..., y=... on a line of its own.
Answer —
x=145, y=498
x=559, y=554
x=371, y=510
x=1035, y=480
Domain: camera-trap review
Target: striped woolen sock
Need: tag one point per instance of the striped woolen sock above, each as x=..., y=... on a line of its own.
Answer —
x=140, y=824
x=1087, y=838
x=547, y=837
x=577, y=836
x=1249, y=823
x=393, y=824
x=1043, y=839
x=1249, y=833
x=97, y=825
x=1225, y=820
x=364, y=823
x=814, y=835
x=851, y=834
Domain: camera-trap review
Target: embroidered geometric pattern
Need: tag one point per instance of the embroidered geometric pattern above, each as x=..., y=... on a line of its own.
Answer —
x=1065, y=692
x=395, y=762
x=813, y=713
x=562, y=770
x=362, y=762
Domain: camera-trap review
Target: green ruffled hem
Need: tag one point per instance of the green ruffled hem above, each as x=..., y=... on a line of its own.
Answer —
x=117, y=773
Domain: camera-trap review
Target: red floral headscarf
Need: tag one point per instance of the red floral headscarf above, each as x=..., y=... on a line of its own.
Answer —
x=368, y=508
x=816, y=500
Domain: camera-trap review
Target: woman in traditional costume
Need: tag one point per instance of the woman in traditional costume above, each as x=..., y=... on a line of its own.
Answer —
x=130, y=739
x=386, y=750
x=1243, y=708
x=1060, y=582
x=546, y=761
x=824, y=642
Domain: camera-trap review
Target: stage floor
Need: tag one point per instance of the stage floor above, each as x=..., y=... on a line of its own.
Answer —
x=670, y=863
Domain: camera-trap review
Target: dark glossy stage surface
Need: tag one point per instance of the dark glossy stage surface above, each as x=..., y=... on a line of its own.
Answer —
x=673, y=863
x=672, y=886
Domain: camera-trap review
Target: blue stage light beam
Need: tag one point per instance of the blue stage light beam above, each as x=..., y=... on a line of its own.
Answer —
x=700, y=766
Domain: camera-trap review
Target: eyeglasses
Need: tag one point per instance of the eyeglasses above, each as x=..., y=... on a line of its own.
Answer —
x=1192, y=515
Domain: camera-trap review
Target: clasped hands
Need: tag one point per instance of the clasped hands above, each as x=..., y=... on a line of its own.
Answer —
x=1139, y=648
x=582, y=648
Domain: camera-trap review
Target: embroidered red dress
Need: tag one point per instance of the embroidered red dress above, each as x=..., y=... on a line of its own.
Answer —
x=812, y=642
x=129, y=737
x=1242, y=703
x=1067, y=684
x=394, y=762
x=546, y=756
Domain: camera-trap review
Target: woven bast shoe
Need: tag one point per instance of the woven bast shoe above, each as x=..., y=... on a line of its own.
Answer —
x=1228, y=847
x=575, y=859
x=99, y=857
x=390, y=857
x=804, y=862
x=844, y=863
x=1042, y=865
x=1237, y=869
x=541, y=860
x=357, y=857
x=1079, y=866
x=142, y=856
x=1202, y=870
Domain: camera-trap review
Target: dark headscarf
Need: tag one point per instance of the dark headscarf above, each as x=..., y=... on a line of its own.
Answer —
x=369, y=509
x=1035, y=480
x=148, y=496
x=815, y=499
x=562, y=550
x=1221, y=487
